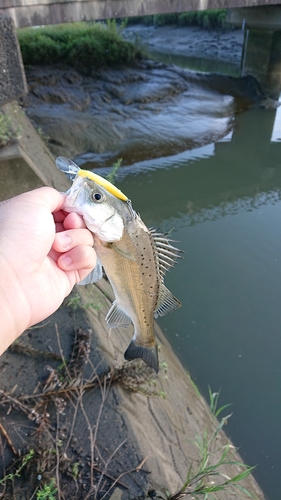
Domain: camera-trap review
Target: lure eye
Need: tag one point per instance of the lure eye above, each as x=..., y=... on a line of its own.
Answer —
x=97, y=197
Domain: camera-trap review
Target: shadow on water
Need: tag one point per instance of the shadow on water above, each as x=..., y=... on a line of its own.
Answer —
x=224, y=202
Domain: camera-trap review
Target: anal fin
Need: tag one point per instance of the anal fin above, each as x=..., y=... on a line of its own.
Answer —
x=148, y=354
x=116, y=317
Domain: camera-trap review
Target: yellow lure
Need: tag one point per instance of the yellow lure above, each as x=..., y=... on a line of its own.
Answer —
x=103, y=183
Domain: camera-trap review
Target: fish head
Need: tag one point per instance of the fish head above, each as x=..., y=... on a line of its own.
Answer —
x=105, y=209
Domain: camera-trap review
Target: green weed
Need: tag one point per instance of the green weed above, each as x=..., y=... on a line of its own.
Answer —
x=208, y=477
x=81, y=45
x=5, y=130
x=207, y=19
x=74, y=302
x=214, y=397
x=163, y=19
x=112, y=174
x=12, y=476
x=47, y=492
x=75, y=470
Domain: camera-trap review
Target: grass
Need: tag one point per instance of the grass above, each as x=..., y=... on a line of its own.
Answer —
x=12, y=476
x=207, y=477
x=207, y=19
x=9, y=130
x=47, y=492
x=112, y=174
x=6, y=133
x=83, y=46
x=75, y=302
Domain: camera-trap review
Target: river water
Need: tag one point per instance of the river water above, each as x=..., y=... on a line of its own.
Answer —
x=223, y=202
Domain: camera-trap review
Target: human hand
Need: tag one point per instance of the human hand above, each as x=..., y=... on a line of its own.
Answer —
x=44, y=252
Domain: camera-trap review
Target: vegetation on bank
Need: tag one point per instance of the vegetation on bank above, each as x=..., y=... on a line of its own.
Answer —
x=7, y=131
x=81, y=45
x=86, y=45
x=207, y=19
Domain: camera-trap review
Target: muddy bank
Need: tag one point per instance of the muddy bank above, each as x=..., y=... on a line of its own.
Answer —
x=136, y=113
x=189, y=41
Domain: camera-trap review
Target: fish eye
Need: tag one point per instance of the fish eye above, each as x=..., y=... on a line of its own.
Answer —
x=97, y=197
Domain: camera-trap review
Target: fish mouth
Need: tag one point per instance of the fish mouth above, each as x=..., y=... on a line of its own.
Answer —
x=110, y=217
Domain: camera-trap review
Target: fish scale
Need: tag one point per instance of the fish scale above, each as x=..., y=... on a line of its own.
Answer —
x=128, y=278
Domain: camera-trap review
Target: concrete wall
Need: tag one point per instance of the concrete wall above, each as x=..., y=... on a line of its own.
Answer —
x=38, y=12
x=12, y=76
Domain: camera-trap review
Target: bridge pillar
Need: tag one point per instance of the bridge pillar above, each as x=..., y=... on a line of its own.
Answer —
x=262, y=44
x=262, y=59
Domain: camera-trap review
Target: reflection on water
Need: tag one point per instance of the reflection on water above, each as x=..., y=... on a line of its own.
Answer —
x=205, y=65
x=223, y=201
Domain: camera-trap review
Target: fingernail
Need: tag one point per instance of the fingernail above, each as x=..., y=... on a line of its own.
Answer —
x=67, y=261
x=64, y=240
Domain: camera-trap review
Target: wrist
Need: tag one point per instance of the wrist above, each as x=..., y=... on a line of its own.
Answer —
x=13, y=306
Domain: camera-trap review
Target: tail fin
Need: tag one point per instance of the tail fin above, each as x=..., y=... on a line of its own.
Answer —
x=148, y=354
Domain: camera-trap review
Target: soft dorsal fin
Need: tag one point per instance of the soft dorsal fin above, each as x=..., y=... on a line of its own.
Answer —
x=166, y=255
x=167, y=302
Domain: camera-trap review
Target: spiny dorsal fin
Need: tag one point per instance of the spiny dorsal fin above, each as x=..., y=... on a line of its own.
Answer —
x=116, y=317
x=165, y=253
x=167, y=302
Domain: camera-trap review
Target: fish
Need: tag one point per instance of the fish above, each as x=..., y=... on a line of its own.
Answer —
x=134, y=258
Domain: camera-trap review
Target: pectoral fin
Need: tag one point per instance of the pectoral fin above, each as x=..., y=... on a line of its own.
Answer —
x=123, y=253
x=148, y=354
x=116, y=317
x=94, y=276
x=167, y=302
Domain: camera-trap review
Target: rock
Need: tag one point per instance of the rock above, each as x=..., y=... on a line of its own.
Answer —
x=116, y=495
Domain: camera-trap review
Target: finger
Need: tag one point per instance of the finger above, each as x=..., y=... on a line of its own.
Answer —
x=59, y=227
x=82, y=273
x=66, y=240
x=81, y=257
x=59, y=216
x=49, y=197
x=73, y=221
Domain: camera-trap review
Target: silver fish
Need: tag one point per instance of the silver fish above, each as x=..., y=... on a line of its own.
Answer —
x=134, y=258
